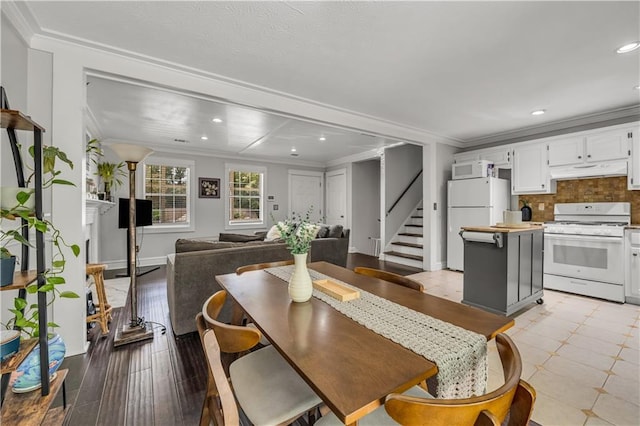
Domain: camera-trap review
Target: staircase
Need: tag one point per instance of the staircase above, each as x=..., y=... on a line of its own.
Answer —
x=406, y=247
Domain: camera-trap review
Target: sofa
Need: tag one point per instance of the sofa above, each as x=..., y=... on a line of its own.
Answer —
x=191, y=270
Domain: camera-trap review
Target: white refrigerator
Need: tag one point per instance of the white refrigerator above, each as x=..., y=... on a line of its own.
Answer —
x=472, y=202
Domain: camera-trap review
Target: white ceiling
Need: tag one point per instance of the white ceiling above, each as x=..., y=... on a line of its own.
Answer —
x=468, y=71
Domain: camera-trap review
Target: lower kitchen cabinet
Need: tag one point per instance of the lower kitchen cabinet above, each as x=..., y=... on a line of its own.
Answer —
x=632, y=254
x=503, y=268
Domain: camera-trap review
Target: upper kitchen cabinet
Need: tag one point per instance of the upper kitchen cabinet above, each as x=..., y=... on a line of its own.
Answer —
x=500, y=156
x=530, y=173
x=633, y=176
x=566, y=151
x=590, y=148
x=604, y=146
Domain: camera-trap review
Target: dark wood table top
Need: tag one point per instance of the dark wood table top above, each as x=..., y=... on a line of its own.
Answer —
x=349, y=366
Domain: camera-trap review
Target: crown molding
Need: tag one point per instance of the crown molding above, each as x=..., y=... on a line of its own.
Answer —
x=20, y=16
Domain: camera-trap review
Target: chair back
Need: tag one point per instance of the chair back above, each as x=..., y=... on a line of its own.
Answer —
x=231, y=338
x=389, y=276
x=256, y=266
x=491, y=408
x=221, y=406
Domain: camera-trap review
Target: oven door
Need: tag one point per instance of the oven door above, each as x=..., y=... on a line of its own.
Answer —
x=587, y=257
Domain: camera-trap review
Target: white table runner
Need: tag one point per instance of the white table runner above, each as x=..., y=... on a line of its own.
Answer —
x=460, y=354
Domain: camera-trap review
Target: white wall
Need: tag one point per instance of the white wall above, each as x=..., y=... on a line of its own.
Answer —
x=366, y=205
x=444, y=160
x=401, y=165
x=209, y=212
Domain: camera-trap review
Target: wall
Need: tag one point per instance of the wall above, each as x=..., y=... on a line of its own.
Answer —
x=611, y=189
x=401, y=165
x=366, y=205
x=444, y=161
x=209, y=212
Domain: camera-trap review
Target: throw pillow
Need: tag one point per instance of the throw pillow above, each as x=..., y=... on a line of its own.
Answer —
x=323, y=232
x=335, y=231
x=239, y=238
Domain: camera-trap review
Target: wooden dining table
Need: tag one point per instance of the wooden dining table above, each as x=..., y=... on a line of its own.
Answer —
x=351, y=368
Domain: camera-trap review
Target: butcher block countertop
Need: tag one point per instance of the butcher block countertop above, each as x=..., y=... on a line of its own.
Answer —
x=504, y=228
x=633, y=226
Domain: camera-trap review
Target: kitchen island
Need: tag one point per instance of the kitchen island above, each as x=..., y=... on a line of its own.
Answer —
x=503, y=267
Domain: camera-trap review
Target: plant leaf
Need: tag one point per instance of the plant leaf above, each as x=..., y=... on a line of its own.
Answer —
x=76, y=249
x=63, y=182
x=55, y=280
x=69, y=295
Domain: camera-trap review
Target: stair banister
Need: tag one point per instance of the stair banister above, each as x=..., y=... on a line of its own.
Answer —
x=404, y=192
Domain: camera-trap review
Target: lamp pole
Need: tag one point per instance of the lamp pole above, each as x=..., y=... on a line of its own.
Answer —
x=137, y=329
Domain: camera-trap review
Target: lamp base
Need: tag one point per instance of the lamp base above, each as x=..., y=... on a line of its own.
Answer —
x=129, y=334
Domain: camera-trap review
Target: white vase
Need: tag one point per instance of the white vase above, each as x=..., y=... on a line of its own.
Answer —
x=300, y=286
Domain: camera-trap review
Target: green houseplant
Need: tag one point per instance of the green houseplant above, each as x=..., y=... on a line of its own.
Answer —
x=16, y=216
x=111, y=175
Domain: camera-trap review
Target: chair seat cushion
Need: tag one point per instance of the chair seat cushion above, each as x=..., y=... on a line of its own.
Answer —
x=378, y=417
x=268, y=389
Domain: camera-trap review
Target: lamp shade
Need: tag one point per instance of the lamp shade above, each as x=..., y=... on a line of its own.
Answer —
x=131, y=153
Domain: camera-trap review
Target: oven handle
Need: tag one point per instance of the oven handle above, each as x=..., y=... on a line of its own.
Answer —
x=592, y=238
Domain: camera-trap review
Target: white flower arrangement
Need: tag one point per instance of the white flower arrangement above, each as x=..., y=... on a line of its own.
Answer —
x=298, y=232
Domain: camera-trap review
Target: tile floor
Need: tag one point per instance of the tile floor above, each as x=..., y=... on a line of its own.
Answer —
x=581, y=355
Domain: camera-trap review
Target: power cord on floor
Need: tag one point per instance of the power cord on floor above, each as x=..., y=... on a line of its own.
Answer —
x=140, y=322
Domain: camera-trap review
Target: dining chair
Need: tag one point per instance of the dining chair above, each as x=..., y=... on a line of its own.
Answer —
x=389, y=276
x=515, y=399
x=268, y=390
x=257, y=266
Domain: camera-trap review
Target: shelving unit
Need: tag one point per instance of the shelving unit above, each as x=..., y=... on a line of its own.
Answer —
x=13, y=120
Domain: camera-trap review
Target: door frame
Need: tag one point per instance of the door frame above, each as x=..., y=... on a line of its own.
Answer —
x=347, y=213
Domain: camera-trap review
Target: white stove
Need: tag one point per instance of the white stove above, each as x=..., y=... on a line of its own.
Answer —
x=584, y=249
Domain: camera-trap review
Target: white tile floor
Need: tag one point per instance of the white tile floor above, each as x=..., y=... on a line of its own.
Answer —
x=581, y=355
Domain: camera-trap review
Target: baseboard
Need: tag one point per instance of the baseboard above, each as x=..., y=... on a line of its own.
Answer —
x=147, y=261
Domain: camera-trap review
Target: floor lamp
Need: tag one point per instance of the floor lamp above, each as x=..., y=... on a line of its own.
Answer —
x=136, y=330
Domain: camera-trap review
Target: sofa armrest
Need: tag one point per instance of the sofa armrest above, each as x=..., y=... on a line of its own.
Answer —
x=332, y=250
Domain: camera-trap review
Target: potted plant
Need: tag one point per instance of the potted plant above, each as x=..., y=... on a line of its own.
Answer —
x=297, y=233
x=111, y=175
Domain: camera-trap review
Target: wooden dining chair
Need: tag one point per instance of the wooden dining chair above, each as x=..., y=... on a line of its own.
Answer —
x=267, y=388
x=515, y=399
x=257, y=266
x=389, y=276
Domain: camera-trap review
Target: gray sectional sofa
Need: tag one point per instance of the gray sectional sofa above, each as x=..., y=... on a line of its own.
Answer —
x=191, y=270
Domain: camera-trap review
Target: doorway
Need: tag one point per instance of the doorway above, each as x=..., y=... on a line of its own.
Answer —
x=305, y=192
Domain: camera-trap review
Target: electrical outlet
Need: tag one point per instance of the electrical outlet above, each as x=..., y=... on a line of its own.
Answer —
x=275, y=207
x=541, y=206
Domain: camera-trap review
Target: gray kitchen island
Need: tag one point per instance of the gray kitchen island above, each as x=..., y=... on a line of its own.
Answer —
x=503, y=267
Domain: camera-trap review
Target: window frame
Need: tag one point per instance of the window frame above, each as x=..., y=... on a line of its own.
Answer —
x=247, y=168
x=140, y=189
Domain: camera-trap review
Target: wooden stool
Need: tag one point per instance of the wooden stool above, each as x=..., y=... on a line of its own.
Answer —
x=103, y=308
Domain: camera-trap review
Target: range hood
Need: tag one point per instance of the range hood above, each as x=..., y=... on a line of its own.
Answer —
x=613, y=168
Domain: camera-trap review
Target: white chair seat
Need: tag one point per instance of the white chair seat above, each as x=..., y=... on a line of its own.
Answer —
x=268, y=389
x=378, y=417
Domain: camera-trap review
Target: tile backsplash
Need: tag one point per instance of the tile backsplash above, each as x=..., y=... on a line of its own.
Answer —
x=611, y=189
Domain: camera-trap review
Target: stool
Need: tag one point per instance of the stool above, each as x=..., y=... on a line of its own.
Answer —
x=103, y=308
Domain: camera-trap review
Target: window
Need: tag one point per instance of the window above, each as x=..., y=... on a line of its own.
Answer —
x=168, y=184
x=245, y=195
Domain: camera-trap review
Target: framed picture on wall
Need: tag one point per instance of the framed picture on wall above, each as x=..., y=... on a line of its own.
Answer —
x=209, y=187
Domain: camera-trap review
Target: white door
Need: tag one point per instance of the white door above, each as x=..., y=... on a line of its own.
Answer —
x=456, y=219
x=337, y=198
x=305, y=192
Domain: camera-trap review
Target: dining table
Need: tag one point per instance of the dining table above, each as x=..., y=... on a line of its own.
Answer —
x=349, y=366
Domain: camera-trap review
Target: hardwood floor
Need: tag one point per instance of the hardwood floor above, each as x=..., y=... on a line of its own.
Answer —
x=154, y=382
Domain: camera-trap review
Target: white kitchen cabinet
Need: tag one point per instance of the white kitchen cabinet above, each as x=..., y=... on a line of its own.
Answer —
x=633, y=177
x=566, y=151
x=500, y=156
x=605, y=146
x=632, y=254
x=465, y=157
x=530, y=173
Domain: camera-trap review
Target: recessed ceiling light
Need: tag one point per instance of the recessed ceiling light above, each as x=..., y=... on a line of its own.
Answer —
x=637, y=87
x=204, y=138
x=217, y=120
x=293, y=150
x=628, y=47
x=538, y=112
x=322, y=138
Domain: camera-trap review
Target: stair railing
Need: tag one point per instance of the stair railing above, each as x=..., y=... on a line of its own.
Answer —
x=403, y=193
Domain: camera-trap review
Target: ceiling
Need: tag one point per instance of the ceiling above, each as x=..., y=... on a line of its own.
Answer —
x=471, y=72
